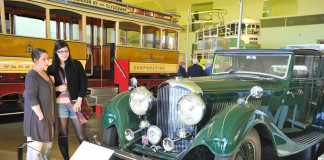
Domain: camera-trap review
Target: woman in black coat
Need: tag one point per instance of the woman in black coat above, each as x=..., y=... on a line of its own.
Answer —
x=182, y=72
x=69, y=93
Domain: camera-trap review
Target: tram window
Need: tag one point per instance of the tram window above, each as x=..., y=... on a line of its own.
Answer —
x=228, y=30
x=25, y=19
x=29, y=26
x=243, y=29
x=97, y=39
x=232, y=29
x=169, y=39
x=222, y=31
x=65, y=25
x=200, y=36
x=0, y=23
x=110, y=35
x=214, y=32
x=206, y=33
x=151, y=37
x=249, y=29
x=88, y=34
x=129, y=34
x=257, y=30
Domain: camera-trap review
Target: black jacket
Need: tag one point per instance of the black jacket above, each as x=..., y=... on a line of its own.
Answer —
x=195, y=71
x=182, y=72
x=76, y=79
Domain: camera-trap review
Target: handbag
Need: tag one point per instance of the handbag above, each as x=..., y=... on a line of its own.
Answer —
x=86, y=111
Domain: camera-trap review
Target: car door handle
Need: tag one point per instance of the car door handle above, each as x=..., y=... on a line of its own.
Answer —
x=291, y=93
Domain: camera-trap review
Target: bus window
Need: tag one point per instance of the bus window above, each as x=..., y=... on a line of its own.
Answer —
x=25, y=19
x=65, y=25
x=129, y=34
x=169, y=39
x=151, y=37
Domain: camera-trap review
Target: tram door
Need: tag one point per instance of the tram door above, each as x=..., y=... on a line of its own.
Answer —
x=101, y=41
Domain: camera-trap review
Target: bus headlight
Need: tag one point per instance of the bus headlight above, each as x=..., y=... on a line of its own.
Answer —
x=191, y=109
x=140, y=100
x=154, y=134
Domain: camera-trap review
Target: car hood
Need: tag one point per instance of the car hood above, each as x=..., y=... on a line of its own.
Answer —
x=234, y=83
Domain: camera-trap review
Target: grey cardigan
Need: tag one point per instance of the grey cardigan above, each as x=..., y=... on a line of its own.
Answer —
x=39, y=91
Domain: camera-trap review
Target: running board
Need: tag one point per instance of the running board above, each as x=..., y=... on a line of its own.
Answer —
x=309, y=139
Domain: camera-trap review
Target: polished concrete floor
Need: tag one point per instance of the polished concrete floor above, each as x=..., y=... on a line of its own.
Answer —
x=11, y=136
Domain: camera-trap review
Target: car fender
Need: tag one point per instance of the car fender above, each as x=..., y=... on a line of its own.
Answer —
x=118, y=113
x=224, y=133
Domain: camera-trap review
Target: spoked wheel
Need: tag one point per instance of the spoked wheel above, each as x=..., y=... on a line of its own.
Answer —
x=250, y=148
x=110, y=138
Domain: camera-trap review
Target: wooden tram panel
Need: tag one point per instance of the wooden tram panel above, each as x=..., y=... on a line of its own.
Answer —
x=19, y=46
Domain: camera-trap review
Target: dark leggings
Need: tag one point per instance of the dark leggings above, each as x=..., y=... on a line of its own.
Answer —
x=63, y=135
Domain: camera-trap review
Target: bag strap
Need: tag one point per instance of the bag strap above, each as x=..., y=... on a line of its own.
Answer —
x=63, y=82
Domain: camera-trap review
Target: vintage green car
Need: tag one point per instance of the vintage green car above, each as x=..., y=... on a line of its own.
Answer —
x=252, y=96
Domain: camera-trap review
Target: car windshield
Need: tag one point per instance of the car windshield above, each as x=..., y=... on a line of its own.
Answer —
x=270, y=64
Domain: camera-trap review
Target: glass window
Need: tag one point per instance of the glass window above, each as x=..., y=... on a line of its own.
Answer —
x=206, y=33
x=221, y=31
x=25, y=19
x=75, y=32
x=97, y=37
x=151, y=37
x=200, y=36
x=110, y=35
x=65, y=25
x=0, y=23
x=53, y=29
x=276, y=65
x=228, y=30
x=169, y=39
x=129, y=34
x=243, y=29
x=253, y=29
x=306, y=66
x=32, y=27
x=88, y=33
x=214, y=32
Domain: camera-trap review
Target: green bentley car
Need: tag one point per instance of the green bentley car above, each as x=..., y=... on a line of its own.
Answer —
x=251, y=97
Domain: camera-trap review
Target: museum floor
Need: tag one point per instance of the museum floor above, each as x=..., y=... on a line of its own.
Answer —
x=11, y=136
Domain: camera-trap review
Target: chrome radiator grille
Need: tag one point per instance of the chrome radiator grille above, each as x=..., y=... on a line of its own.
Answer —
x=167, y=117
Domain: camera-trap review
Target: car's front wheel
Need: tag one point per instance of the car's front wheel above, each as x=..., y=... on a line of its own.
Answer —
x=110, y=138
x=250, y=148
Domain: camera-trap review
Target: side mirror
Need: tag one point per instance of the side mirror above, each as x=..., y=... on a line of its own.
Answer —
x=255, y=92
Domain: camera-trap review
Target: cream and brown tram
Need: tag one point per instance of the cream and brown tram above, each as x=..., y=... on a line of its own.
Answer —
x=98, y=32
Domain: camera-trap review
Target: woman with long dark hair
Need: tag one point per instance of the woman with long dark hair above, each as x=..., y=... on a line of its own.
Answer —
x=69, y=93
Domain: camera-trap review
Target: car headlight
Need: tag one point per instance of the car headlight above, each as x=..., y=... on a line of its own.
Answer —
x=154, y=134
x=140, y=100
x=191, y=109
